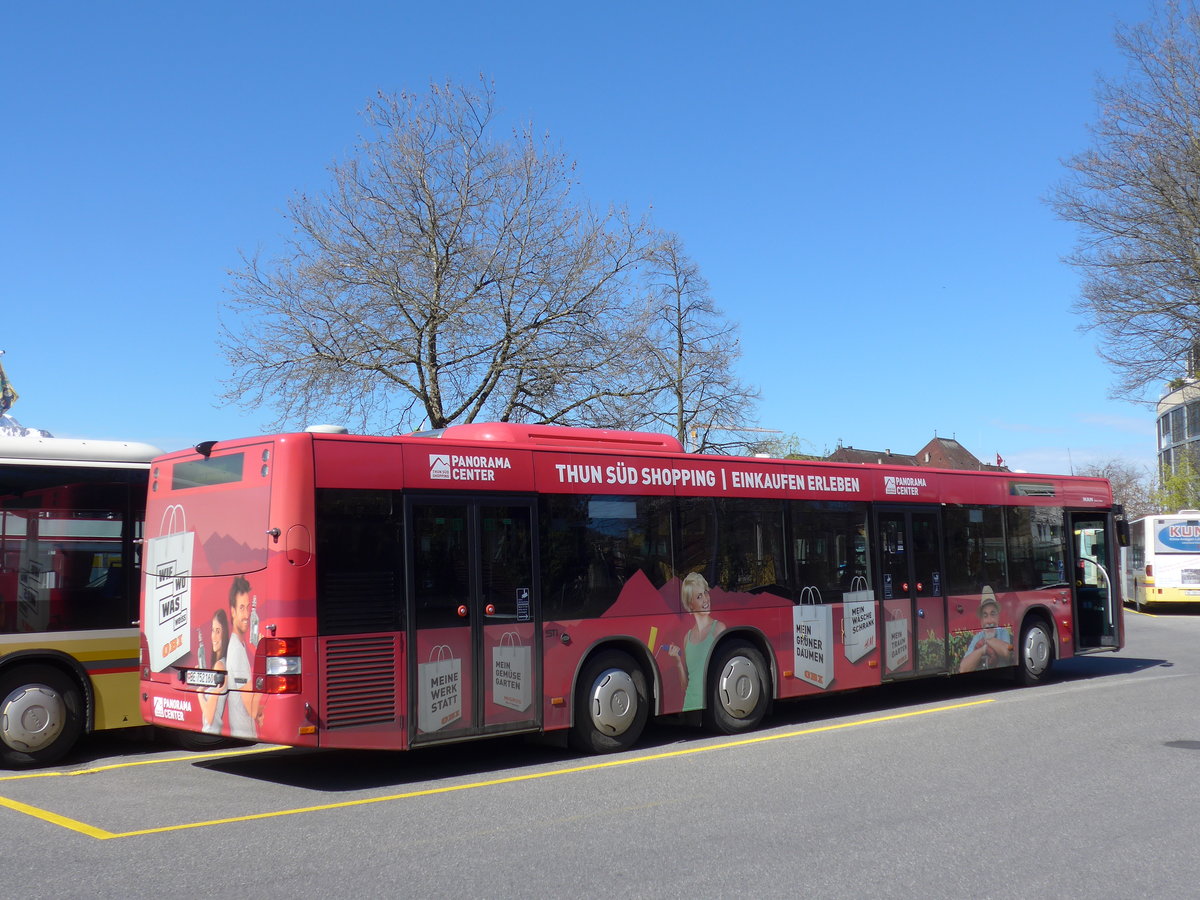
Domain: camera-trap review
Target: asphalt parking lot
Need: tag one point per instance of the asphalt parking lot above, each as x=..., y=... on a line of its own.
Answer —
x=889, y=791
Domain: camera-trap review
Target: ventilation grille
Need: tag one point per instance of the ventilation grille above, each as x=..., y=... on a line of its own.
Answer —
x=360, y=681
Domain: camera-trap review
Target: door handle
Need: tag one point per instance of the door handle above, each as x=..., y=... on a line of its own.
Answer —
x=462, y=611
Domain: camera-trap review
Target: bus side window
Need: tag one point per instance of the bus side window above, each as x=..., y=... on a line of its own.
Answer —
x=829, y=548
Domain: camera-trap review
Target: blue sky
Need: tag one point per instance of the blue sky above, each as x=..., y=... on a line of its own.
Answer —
x=861, y=184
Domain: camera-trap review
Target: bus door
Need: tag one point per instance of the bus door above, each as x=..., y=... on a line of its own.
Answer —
x=474, y=667
x=913, y=624
x=1094, y=595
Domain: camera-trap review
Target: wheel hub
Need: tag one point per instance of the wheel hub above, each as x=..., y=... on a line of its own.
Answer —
x=739, y=687
x=613, y=702
x=31, y=718
x=1037, y=651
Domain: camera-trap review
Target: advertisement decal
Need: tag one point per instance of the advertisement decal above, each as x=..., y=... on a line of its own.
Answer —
x=511, y=670
x=1178, y=537
x=897, y=644
x=439, y=691
x=167, y=563
x=813, y=628
x=859, y=620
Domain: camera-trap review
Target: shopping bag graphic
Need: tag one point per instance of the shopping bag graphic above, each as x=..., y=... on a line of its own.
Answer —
x=812, y=623
x=896, y=635
x=167, y=568
x=858, y=620
x=439, y=689
x=510, y=672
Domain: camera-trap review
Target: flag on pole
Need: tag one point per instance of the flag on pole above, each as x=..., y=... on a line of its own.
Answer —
x=8, y=396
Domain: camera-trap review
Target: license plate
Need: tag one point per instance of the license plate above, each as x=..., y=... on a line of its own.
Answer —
x=203, y=678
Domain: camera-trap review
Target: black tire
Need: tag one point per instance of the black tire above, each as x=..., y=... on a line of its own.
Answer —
x=41, y=715
x=1035, y=653
x=199, y=742
x=611, y=704
x=739, y=689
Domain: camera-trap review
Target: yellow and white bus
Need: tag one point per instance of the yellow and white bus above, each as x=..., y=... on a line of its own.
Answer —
x=71, y=515
x=1162, y=561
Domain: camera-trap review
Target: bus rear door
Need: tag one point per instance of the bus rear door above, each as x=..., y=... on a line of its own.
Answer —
x=475, y=663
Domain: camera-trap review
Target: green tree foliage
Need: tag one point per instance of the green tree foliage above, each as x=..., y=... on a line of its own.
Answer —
x=1179, y=487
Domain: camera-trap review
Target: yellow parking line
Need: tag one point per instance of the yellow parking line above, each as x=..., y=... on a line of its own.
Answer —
x=101, y=834
x=55, y=819
x=191, y=757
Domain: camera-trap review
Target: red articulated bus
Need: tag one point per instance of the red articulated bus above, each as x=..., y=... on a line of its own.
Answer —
x=331, y=590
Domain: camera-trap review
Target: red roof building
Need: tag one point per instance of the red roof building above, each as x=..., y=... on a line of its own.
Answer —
x=939, y=453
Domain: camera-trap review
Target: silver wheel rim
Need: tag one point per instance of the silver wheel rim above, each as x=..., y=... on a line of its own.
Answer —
x=613, y=702
x=739, y=687
x=1037, y=651
x=32, y=717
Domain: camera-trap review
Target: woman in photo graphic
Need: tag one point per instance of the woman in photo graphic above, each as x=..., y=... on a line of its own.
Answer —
x=697, y=642
x=212, y=700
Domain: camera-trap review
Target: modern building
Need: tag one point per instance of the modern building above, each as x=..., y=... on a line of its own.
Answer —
x=1179, y=423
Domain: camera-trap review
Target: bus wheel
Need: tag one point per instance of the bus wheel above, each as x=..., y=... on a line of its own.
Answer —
x=739, y=689
x=1037, y=653
x=202, y=743
x=40, y=715
x=611, y=704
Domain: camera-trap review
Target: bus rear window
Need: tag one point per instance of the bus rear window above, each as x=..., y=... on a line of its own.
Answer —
x=207, y=472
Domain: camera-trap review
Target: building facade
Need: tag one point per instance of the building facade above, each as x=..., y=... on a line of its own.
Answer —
x=1179, y=424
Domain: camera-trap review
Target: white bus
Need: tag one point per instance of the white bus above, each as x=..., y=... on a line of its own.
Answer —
x=1162, y=561
x=71, y=515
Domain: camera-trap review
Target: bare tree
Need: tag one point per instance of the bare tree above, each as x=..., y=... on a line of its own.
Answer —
x=1132, y=486
x=445, y=276
x=787, y=446
x=692, y=350
x=1135, y=197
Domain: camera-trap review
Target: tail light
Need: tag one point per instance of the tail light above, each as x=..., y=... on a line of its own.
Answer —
x=143, y=656
x=1150, y=571
x=281, y=666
